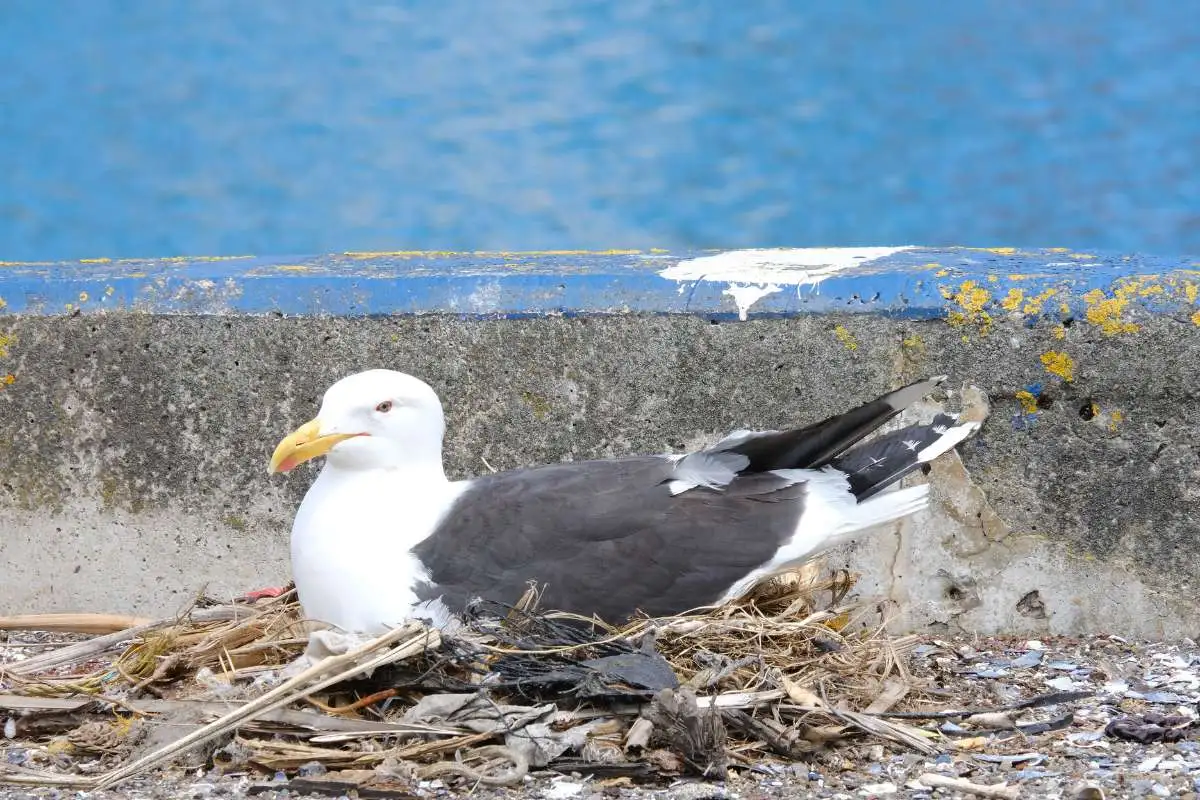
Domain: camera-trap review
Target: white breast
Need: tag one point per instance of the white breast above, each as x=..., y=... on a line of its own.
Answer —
x=352, y=546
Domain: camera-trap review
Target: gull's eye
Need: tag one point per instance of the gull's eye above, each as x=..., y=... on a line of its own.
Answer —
x=384, y=407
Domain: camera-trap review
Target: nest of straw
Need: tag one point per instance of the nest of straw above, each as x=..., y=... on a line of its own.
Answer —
x=791, y=669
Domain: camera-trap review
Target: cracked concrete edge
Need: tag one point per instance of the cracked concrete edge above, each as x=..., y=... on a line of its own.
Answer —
x=957, y=568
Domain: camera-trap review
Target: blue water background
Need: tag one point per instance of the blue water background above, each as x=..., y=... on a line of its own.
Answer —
x=200, y=127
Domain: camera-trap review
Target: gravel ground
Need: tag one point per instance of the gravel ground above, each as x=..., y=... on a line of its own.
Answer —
x=1052, y=751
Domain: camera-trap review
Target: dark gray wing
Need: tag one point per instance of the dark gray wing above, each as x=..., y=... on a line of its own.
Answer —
x=607, y=537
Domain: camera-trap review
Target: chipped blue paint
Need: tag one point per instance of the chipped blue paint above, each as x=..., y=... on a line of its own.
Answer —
x=911, y=283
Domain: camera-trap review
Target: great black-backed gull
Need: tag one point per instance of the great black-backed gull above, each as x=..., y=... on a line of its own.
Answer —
x=383, y=536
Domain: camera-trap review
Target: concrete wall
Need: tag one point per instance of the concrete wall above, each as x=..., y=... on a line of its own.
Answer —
x=139, y=402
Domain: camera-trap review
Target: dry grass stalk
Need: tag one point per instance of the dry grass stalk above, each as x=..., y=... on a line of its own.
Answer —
x=1001, y=791
x=72, y=623
x=397, y=645
x=92, y=648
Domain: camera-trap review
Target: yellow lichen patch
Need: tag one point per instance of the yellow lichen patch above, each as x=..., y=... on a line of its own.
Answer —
x=1105, y=312
x=485, y=253
x=1196, y=318
x=1115, y=419
x=8, y=380
x=845, y=337
x=1082, y=256
x=972, y=299
x=402, y=253
x=540, y=406
x=1028, y=401
x=292, y=268
x=1002, y=251
x=941, y=273
x=83, y=297
x=914, y=342
x=1034, y=304
x=1060, y=364
x=2, y=304
x=1191, y=291
x=109, y=291
x=183, y=259
x=1058, y=250
x=1012, y=300
x=1059, y=331
x=6, y=341
x=658, y=251
x=1016, y=276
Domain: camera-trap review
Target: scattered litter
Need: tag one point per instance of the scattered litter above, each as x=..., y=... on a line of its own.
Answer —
x=791, y=692
x=562, y=790
x=1151, y=727
x=1030, y=659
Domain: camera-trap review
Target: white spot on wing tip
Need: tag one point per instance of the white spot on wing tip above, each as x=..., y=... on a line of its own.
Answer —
x=947, y=441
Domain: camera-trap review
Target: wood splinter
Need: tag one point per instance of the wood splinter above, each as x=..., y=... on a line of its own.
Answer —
x=1000, y=790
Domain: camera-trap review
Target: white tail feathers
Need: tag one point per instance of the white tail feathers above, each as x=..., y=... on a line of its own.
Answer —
x=832, y=516
x=886, y=507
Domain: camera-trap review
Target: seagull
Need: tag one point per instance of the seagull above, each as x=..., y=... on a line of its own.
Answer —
x=384, y=537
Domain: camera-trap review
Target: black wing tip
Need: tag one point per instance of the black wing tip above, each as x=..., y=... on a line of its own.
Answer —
x=904, y=397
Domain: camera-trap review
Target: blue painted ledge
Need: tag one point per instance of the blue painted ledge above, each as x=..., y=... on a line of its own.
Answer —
x=914, y=282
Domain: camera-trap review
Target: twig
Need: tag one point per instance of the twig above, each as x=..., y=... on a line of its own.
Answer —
x=783, y=741
x=893, y=692
x=34, y=778
x=418, y=638
x=101, y=644
x=72, y=623
x=510, y=778
x=1040, y=701
x=739, y=699
x=357, y=705
x=1002, y=791
x=886, y=729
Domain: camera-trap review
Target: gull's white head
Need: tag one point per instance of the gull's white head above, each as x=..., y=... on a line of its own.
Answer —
x=370, y=420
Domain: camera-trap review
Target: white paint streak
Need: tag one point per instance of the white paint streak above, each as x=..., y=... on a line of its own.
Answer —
x=754, y=274
x=747, y=294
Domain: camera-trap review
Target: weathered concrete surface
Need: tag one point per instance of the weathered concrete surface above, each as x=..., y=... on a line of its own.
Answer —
x=133, y=446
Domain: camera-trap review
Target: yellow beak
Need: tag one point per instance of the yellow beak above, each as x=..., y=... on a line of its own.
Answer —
x=304, y=444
